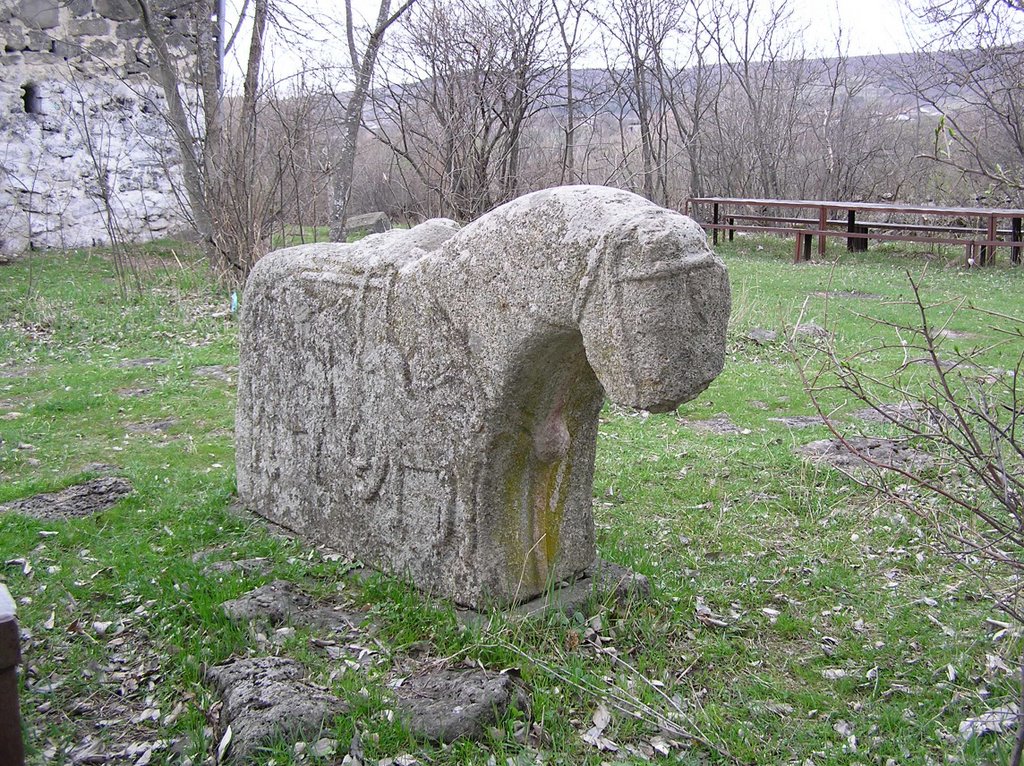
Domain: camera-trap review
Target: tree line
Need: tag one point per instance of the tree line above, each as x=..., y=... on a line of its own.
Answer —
x=451, y=107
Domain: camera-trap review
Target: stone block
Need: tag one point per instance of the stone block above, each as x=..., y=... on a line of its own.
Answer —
x=130, y=31
x=80, y=7
x=64, y=49
x=39, y=14
x=90, y=27
x=368, y=223
x=14, y=40
x=427, y=400
x=116, y=10
x=38, y=41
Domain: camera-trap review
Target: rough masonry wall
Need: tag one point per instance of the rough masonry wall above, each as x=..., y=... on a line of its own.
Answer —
x=80, y=121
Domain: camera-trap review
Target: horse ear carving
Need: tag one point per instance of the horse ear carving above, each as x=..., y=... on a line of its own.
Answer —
x=451, y=380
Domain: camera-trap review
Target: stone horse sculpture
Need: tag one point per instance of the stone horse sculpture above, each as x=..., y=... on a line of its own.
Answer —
x=427, y=400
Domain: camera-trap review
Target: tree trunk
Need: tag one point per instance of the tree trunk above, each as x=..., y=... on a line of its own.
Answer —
x=344, y=166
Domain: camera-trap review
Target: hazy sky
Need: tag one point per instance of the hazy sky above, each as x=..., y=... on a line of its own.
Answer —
x=868, y=26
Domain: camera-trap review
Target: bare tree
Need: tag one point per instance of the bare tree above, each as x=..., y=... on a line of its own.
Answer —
x=570, y=16
x=971, y=79
x=363, y=63
x=640, y=31
x=463, y=83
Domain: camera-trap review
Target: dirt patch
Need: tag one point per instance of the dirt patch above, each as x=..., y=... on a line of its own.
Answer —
x=445, y=704
x=116, y=719
x=18, y=372
x=944, y=365
x=146, y=362
x=152, y=426
x=799, y=421
x=105, y=468
x=811, y=330
x=956, y=335
x=720, y=425
x=899, y=412
x=76, y=501
x=268, y=696
x=222, y=372
x=865, y=452
x=258, y=565
x=131, y=392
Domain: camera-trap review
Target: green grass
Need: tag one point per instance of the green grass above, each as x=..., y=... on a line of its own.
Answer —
x=839, y=616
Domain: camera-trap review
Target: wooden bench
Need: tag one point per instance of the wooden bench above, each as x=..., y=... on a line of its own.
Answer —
x=12, y=751
x=989, y=228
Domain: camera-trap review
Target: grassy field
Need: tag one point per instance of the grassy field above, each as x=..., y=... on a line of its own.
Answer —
x=796, y=618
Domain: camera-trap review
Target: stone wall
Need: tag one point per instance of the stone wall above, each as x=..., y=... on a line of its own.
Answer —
x=80, y=121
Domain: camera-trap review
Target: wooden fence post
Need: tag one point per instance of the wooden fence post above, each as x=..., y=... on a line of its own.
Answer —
x=12, y=750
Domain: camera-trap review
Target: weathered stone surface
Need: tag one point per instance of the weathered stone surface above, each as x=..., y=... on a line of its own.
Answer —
x=75, y=501
x=426, y=400
x=865, y=453
x=49, y=189
x=265, y=697
x=445, y=705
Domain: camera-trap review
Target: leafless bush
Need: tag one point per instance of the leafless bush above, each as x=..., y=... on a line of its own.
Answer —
x=965, y=418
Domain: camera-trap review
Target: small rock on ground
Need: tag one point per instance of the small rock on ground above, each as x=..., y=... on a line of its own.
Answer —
x=445, y=705
x=884, y=452
x=274, y=602
x=281, y=601
x=75, y=501
x=762, y=336
x=265, y=697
